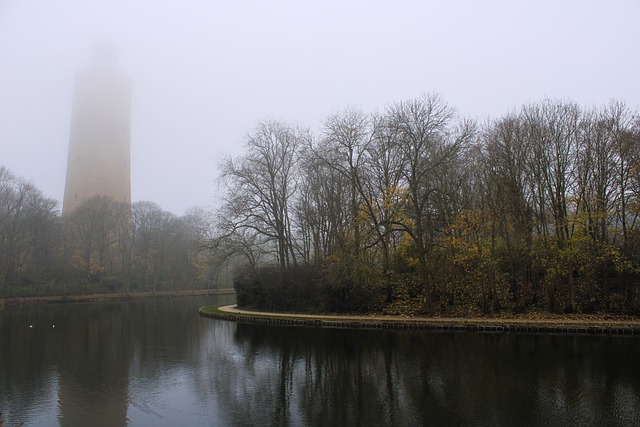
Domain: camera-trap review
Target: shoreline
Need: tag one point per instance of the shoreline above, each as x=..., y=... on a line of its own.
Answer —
x=576, y=325
x=116, y=296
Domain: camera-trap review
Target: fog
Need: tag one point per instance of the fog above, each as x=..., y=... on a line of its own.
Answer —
x=205, y=73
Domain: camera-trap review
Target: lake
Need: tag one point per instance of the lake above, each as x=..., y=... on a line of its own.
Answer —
x=157, y=363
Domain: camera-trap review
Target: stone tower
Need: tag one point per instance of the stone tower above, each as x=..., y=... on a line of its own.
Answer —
x=100, y=137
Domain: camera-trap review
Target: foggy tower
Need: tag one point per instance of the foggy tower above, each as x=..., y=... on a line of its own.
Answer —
x=100, y=137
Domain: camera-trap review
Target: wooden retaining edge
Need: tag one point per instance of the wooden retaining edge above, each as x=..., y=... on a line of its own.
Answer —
x=504, y=329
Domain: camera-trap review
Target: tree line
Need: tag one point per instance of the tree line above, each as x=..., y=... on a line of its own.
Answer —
x=412, y=209
x=418, y=209
x=103, y=246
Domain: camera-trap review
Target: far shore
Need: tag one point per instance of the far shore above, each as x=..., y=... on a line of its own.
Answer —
x=591, y=324
x=116, y=296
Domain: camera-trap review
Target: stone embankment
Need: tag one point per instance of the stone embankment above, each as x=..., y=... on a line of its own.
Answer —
x=230, y=313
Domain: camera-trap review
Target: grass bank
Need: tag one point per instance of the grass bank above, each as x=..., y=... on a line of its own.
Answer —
x=116, y=296
x=567, y=324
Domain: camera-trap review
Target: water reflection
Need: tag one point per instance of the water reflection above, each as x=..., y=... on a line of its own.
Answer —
x=338, y=377
x=157, y=363
x=67, y=364
x=93, y=364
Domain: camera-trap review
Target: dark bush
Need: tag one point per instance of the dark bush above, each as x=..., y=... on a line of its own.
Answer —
x=269, y=288
x=337, y=286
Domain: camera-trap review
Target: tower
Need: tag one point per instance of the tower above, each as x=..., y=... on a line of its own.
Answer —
x=100, y=136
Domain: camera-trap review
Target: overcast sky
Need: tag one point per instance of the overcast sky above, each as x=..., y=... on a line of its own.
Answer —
x=205, y=72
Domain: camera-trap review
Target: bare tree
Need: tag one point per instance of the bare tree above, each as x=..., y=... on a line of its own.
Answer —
x=96, y=228
x=426, y=132
x=28, y=232
x=323, y=210
x=347, y=135
x=148, y=224
x=262, y=185
x=554, y=134
x=197, y=223
x=383, y=189
x=620, y=124
x=596, y=169
x=508, y=197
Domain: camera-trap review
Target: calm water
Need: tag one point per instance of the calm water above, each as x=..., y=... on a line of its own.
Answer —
x=157, y=363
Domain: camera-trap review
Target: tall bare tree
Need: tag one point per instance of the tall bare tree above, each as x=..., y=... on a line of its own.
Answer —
x=323, y=208
x=429, y=138
x=262, y=185
x=346, y=136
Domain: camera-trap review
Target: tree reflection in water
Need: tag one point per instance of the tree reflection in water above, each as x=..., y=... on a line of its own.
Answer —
x=308, y=376
x=157, y=363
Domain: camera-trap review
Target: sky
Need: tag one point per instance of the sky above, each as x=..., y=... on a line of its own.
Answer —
x=206, y=72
